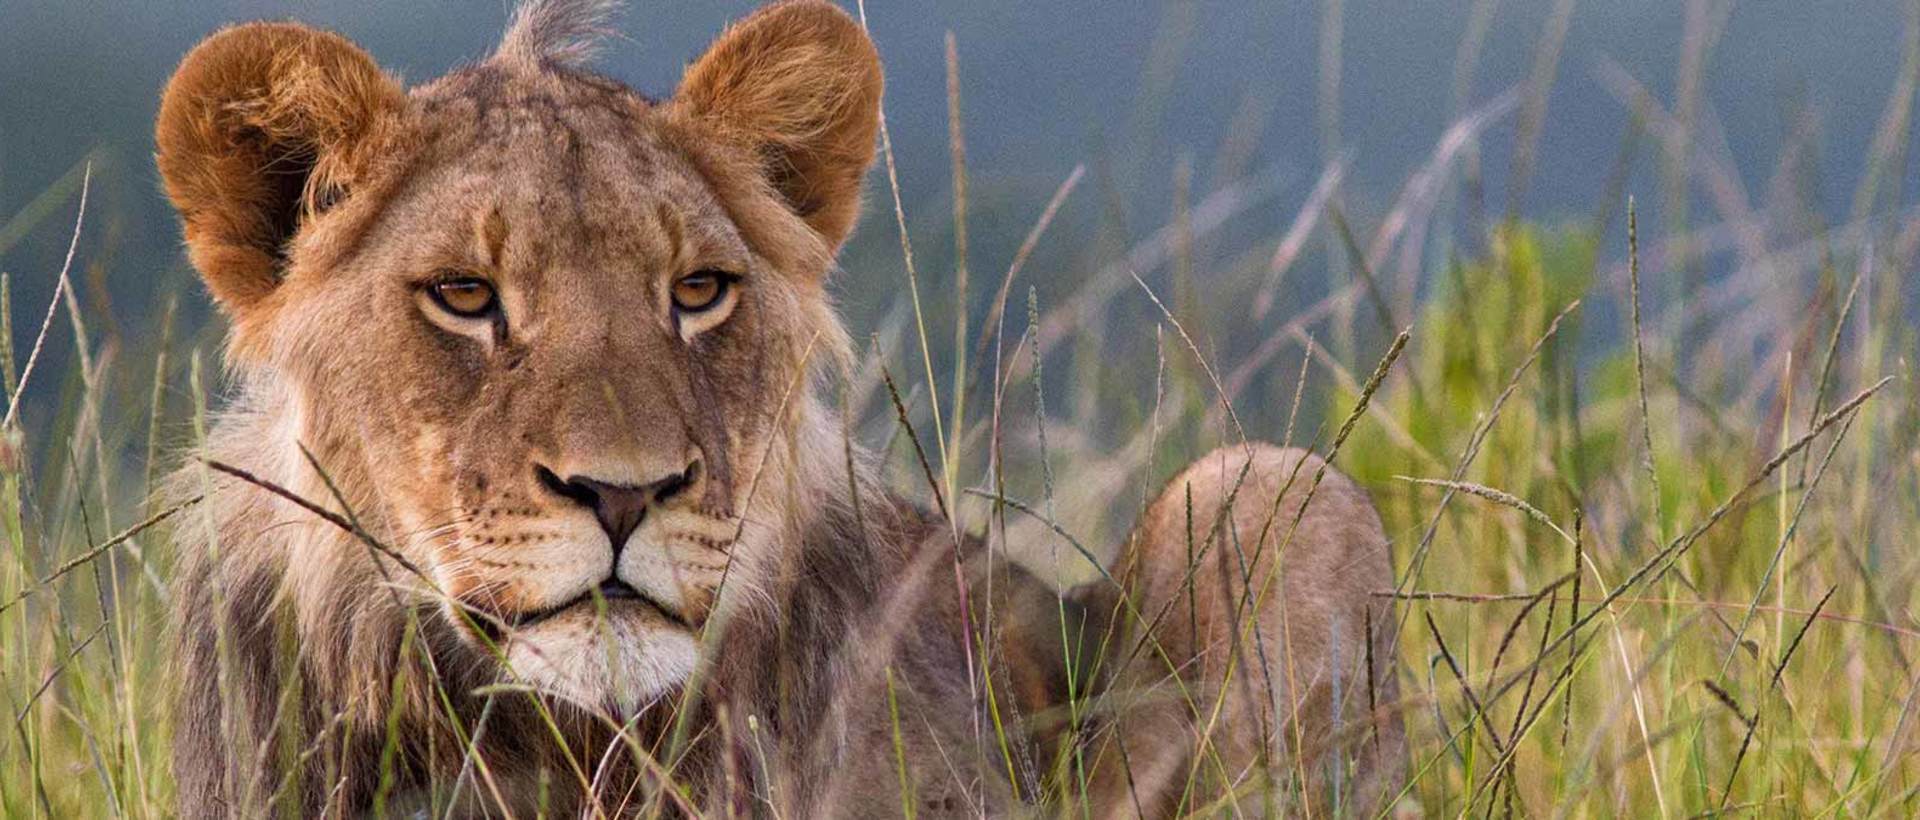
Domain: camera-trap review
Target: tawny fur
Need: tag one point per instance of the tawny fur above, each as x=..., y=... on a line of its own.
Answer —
x=253, y=112
x=321, y=201
x=1262, y=651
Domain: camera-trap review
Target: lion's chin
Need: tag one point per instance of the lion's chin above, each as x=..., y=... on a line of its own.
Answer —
x=618, y=663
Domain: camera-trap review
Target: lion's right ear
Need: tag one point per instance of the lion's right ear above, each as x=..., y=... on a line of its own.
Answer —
x=262, y=126
x=799, y=83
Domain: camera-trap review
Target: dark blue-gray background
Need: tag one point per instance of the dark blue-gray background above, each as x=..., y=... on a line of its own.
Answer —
x=1046, y=86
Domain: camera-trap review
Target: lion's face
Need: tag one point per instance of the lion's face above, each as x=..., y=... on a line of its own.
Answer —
x=568, y=364
x=554, y=334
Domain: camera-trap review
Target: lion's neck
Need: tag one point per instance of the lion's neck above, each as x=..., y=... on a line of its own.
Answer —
x=866, y=588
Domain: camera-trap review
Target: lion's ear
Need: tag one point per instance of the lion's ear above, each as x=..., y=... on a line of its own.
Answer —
x=799, y=83
x=261, y=126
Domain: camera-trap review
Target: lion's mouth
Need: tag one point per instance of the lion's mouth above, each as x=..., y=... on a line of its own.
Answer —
x=614, y=592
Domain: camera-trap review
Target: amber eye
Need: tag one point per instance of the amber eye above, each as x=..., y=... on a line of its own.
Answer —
x=467, y=297
x=701, y=290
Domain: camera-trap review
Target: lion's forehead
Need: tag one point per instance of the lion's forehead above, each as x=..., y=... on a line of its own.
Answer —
x=563, y=146
x=482, y=100
x=561, y=187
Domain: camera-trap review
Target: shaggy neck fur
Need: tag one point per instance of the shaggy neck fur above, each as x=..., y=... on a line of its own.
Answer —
x=319, y=648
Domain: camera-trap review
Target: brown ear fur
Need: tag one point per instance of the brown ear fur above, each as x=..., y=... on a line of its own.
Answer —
x=262, y=125
x=799, y=83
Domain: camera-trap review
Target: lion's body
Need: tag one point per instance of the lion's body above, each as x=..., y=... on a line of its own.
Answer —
x=1283, y=658
x=600, y=532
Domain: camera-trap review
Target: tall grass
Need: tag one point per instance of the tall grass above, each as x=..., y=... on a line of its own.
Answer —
x=1657, y=533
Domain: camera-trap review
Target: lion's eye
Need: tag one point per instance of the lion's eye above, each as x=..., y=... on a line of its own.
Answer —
x=467, y=297
x=701, y=290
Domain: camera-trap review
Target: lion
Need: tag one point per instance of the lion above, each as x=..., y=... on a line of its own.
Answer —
x=529, y=496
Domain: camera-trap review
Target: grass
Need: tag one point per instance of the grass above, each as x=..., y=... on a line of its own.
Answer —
x=1657, y=532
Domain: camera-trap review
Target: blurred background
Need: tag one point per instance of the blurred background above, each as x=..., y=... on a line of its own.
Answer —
x=1784, y=96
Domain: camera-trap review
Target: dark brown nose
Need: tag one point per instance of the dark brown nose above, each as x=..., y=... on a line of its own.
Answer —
x=619, y=507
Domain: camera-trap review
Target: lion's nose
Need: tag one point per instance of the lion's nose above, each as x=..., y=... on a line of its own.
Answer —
x=618, y=507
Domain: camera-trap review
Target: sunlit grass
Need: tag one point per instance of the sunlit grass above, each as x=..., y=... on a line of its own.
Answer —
x=1615, y=597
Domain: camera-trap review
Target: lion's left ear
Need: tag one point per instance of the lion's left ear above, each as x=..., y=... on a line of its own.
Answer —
x=799, y=83
x=261, y=126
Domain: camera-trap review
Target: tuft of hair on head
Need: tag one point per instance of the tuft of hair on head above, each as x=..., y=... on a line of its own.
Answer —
x=567, y=32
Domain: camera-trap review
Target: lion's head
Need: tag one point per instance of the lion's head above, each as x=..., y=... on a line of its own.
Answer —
x=551, y=342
